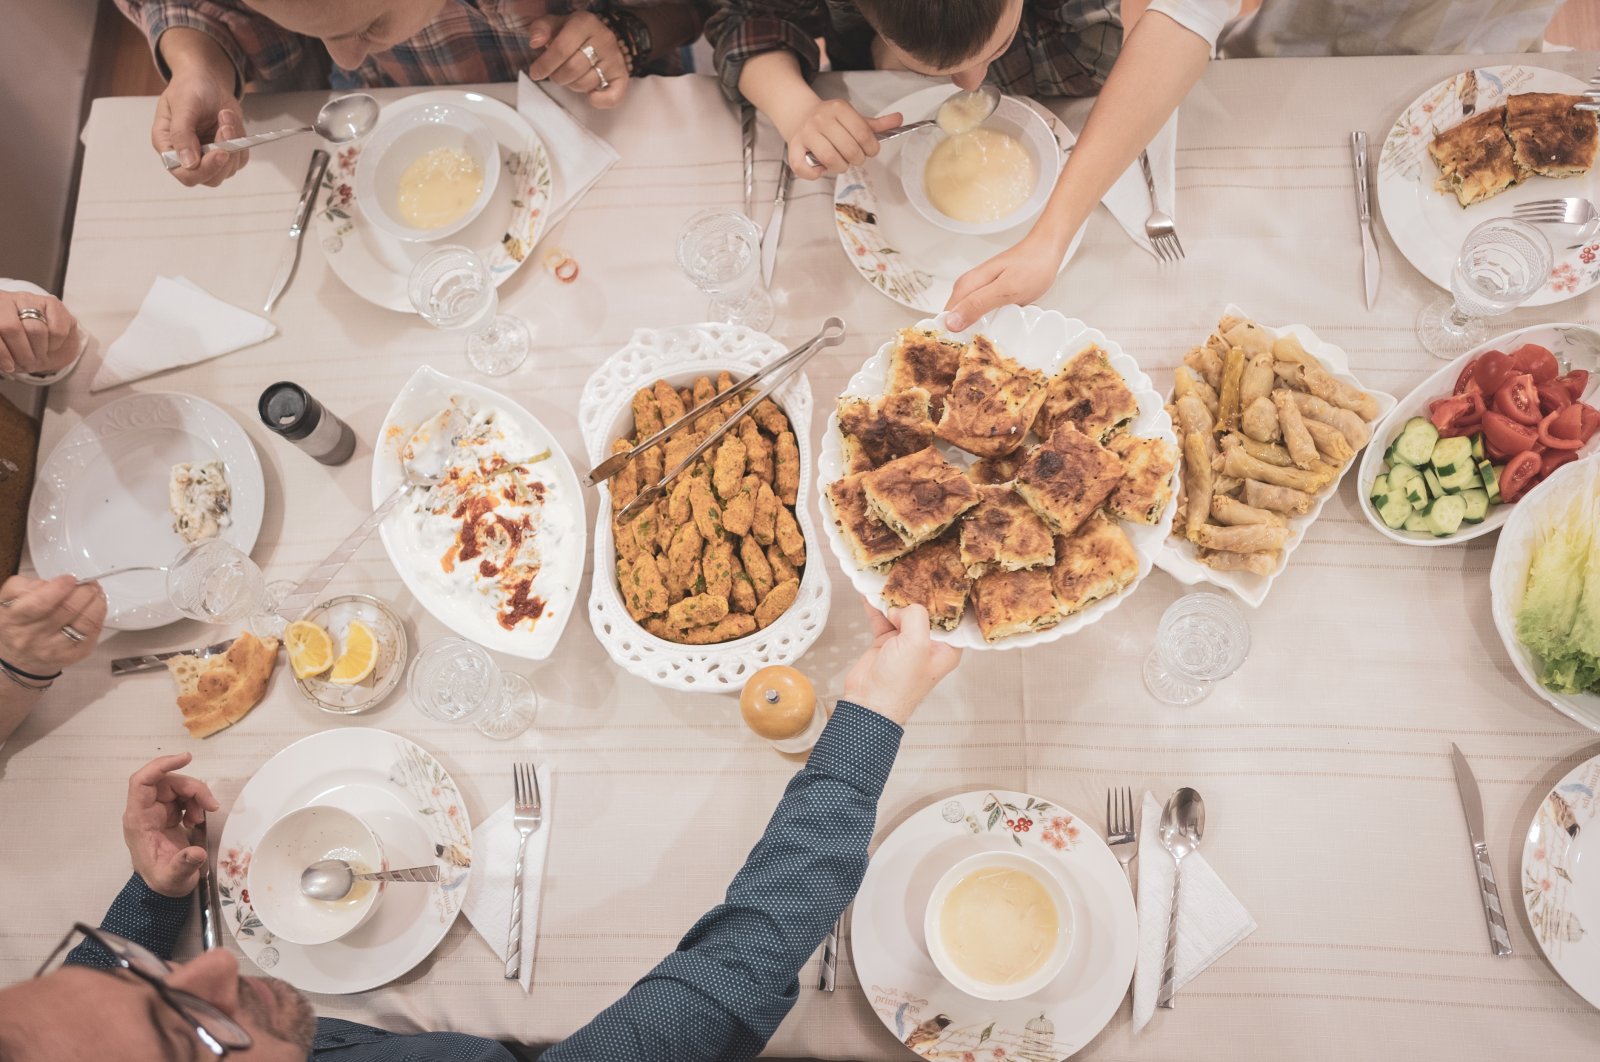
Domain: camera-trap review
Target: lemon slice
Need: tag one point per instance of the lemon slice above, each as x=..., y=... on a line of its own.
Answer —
x=310, y=648
x=359, y=658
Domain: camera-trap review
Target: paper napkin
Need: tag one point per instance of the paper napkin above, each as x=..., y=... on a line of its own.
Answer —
x=179, y=323
x=1129, y=199
x=1210, y=919
x=494, y=859
x=578, y=158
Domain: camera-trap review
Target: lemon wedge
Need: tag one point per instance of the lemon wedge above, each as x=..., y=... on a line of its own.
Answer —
x=359, y=658
x=310, y=648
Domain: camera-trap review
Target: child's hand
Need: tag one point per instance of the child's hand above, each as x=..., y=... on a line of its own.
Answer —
x=903, y=665
x=837, y=137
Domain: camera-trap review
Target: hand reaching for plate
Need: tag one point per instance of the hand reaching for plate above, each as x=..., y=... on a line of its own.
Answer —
x=162, y=805
x=1016, y=276
x=902, y=666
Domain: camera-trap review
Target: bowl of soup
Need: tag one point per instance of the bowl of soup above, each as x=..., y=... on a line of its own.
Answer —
x=999, y=926
x=292, y=844
x=985, y=180
x=427, y=173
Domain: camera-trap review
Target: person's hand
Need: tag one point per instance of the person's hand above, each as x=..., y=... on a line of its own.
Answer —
x=1018, y=275
x=34, y=616
x=837, y=137
x=162, y=806
x=903, y=665
x=198, y=107
x=29, y=345
x=563, y=37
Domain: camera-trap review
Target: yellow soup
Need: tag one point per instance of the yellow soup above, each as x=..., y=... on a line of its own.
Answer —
x=999, y=925
x=979, y=176
x=439, y=187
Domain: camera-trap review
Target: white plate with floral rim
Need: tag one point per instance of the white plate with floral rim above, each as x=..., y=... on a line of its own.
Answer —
x=1178, y=558
x=377, y=266
x=1561, y=898
x=896, y=249
x=101, y=501
x=396, y=787
x=1577, y=346
x=939, y=1021
x=680, y=356
x=1429, y=226
x=1038, y=339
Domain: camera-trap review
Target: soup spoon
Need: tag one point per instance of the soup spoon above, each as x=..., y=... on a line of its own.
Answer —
x=341, y=120
x=961, y=112
x=1183, y=822
x=332, y=879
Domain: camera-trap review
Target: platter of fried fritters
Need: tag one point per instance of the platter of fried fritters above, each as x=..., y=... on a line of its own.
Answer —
x=1016, y=479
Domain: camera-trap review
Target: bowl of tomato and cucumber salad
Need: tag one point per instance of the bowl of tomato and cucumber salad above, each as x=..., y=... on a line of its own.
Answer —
x=1452, y=457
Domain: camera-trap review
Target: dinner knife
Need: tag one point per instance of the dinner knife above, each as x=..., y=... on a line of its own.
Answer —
x=1369, y=246
x=1472, y=805
x=210, y=927
x=297, y=229
x=769, y=239
x=747, y=131
x=133, y=665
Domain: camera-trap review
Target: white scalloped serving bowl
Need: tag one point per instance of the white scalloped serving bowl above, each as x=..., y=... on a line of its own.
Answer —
x=605, y=413
x=1037, y=339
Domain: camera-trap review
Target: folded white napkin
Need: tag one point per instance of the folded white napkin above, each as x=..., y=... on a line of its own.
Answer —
x=578, y=158
x=179, y=323
x=494, y=861
x=1210, y=919
x=1129, y=200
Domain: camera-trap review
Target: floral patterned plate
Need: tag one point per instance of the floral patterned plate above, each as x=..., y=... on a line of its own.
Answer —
x=377, y=266
x=1429, y=226
x=939, y=1021
x=896, y=249
x=1563, y=901
x=413, y=805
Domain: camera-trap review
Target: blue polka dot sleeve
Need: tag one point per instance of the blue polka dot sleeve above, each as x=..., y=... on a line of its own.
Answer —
x=143, y=916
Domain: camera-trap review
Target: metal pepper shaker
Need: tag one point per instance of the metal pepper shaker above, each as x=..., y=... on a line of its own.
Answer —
x=288, y=409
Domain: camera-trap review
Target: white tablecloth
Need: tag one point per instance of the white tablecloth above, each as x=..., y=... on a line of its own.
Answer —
x=1324, y=762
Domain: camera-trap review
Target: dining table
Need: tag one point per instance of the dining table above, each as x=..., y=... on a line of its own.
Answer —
x=1324, y=761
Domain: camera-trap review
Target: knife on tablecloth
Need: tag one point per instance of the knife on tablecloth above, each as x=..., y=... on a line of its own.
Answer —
x=1369, y=246
x=297, y=228
x=133, y=665
x=769, y=239
x=747, y=133
x=1472, y=805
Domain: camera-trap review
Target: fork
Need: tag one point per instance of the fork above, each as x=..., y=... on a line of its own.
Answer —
x=1159, y=226
x=1568, y=211
x=1120, y=832
x=527, y=817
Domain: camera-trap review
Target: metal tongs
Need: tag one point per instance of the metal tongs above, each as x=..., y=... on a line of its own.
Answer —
x=771, y=375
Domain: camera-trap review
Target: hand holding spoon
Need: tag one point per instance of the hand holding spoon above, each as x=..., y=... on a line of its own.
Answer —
x=341, y=120
x=1183, y=822
x=961, y=112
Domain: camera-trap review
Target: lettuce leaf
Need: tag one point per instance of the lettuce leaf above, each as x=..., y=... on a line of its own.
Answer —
x=1559, y=621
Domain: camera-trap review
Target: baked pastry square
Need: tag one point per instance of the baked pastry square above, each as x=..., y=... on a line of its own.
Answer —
x=1008, y=603
x=871, y=543
x=932, y=576
x=927, y=360
x=918, y=496
x=1089, y=393
x=1095, y=563
x=1068, y=478
x=1475, y=159
x=1146, y=485
x=875, y=431
x=1548, y=137
x=994, y=470
x=1002, y=534
x=992, y=403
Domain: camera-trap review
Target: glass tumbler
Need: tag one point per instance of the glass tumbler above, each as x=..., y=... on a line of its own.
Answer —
x=216, y=582
x=455, y=681
x=452, y=289
x=720, y=250
x=1201, y=639
x=1503, y=263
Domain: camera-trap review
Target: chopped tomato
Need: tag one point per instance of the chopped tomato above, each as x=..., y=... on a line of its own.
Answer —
x=1492, y=369
x=1537, y=362
x=1519, y=475
x=1456, y=415
x=1554, y=459
x=1576, y=382
x=1504, y=437
x=1518, y=399
x=1589, y=417
x=1562, y=430
x=1465, y=381
x=1553, y=397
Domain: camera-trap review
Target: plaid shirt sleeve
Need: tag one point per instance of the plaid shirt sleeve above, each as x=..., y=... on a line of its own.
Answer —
x=1062, y=48
x=260, y=50
x=743, y=29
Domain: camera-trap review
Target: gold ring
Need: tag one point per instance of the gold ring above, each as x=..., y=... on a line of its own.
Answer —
x=28, y=313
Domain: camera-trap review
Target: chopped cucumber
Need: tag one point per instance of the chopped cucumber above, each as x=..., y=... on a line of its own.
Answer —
x=1391, y=458
x=1416, y=442
x=1445, y=515
x=1431, y=478
x=1408, y=483
x=1417, y=522
x=1380, y=489
x=1477, y=503
x=1478, y=452
x=1491, y=481
x=1452, y=455
x=1464, y=477
x=1395, y=509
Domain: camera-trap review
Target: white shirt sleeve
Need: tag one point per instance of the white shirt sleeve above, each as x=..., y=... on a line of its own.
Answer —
x=41, y=379
x=1204, y=18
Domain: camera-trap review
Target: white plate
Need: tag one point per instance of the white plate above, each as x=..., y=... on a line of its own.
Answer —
x=1178, y=557
x=1508, y=580
x=897, y=250
x=1561, y=898
x=100, y=500
x=1429, y=226
x=605, y=413
x=906, y=990
x=424, y=395
x=396, y=787
x=1037, y=339
x=1578, y=344
x=377, y=266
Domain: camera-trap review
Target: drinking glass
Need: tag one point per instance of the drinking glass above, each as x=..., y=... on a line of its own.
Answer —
x=1502, y=264
x=455, y=681
x=215, y=582
x=721, y=252
x=1202, y=638
x=452, y=289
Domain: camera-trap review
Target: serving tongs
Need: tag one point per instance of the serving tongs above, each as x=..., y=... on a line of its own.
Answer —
x=771, y=375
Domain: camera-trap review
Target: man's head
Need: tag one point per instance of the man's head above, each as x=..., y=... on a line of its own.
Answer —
x=957, y=39
x=352, y=29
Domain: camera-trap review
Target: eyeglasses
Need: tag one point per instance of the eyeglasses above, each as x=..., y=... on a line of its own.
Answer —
x=218, y=1032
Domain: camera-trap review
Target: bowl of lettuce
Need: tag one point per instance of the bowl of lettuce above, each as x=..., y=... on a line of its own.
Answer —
x=1545, y=589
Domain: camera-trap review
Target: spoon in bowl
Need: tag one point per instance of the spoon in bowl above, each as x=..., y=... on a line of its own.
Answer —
x=332, y=879
x=1183, y=822
x=341, y=120
x=961, y=112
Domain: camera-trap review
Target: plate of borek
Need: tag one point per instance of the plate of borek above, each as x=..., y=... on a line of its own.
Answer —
x=1017, y=478
x=494, y=550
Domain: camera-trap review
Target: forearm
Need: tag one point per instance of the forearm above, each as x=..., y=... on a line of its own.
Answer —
x=775, y=86
x=184, y=50
x=15, y=704
x=143, y=916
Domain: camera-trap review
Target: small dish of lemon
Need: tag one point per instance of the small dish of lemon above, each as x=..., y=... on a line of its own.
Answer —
x=347, y=654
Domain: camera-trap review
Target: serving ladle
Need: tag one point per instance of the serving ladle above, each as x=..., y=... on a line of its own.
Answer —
x=341, y=120
x=332, y=879
x=961, y=112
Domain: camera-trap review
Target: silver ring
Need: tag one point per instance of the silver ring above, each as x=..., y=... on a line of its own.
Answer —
x=28, y=313
x=72, y=633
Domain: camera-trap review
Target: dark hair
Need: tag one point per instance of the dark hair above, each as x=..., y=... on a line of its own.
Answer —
x=941, y=33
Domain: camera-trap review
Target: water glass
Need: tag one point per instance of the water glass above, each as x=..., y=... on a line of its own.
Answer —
x=455, y=681
x=1503, y=264
x=720, y=250
x=216, y=582
x=452, y=289
x=1202, y=638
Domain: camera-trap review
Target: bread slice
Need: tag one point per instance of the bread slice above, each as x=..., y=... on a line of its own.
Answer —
x=217, y=691
x=1548, y=137
x=875, y=431
x=932, y=576
x=918, y=496
x=871, y=542
x=1475, y=158
x=1002, y=534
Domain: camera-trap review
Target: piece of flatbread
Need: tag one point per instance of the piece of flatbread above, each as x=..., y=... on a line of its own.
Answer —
x=217, y=691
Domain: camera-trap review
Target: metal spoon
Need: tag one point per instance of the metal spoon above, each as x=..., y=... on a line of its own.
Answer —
x=983, y=100
x=332, y=879
x=341, y=120
x=1183, y=822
